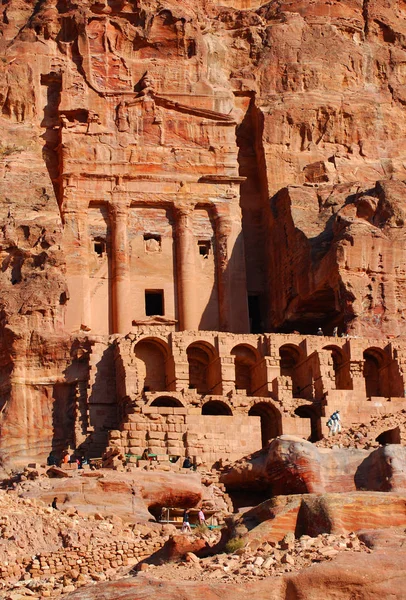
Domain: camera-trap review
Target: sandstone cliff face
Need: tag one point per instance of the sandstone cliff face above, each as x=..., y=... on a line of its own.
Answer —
x=317, y=92
x=286, y=113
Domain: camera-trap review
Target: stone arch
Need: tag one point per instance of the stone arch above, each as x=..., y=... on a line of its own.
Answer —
x=152, y=358
x=390, y=436
x=166, y=402
x=245, y=359
x=341, y=367
x=271, y=421
x=293, y=365
x=216, y=408
x=375, y=364
x=309, y=412
x=382, y=374
x=203, y=367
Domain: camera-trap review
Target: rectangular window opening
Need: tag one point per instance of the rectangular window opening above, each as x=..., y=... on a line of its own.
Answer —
x=152, y=242
x=204, y=248
x=154, y=302
x=254, y=311
x=99, y=247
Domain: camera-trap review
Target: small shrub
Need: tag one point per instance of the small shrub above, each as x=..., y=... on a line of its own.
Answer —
x=233, y=545
x=9, y=150
x=201, y=530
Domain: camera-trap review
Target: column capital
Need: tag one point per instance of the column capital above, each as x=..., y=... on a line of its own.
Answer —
x=223, y=221
x=71, y=202
x=118, y=208
x=184, y=210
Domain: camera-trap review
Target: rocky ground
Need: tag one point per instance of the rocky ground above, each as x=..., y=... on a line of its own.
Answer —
x=103, y=530
x=364, y=435
x=47, y=553
x=270, y=559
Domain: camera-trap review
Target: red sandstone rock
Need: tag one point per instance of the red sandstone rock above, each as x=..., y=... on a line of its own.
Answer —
x=327, y=247
x=180, y=546
x=314, y=514
x=136, y=497
x=290, y=465
x=145, y=175
x=375, y=576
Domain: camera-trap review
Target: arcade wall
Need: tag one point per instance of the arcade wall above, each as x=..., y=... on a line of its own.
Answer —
x=199, y=165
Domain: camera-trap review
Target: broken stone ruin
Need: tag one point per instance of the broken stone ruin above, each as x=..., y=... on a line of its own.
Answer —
x=203, y=299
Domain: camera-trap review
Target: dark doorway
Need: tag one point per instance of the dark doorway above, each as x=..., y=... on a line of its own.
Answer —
x=391, y=436
x=154, y=302
x=306, y=412
x=270, y=421
x=254, y=311
x=166, y=402
x=216, y=408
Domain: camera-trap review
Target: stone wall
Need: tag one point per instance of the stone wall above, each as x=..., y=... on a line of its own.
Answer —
x=92, y=560
x=165, y=431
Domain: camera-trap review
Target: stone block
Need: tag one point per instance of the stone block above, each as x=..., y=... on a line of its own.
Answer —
x=156, y=449
x=138, y=450
x=165, y=410
x=180, y=410
x=135, y=435
x=176, y=451
x=149, y=410
x=135, y=418
x=163, y=457
x=156, y=435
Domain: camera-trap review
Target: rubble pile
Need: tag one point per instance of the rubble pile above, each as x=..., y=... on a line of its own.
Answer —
x=52, y=550
x=269, y=559
x=364, y=435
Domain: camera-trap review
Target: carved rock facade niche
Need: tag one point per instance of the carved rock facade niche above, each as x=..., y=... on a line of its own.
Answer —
x=197, y=167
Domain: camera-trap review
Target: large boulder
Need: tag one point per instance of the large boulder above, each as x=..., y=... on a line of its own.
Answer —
x=134, y=496
x=290, y=465
x=313, y=514
x=383, y=470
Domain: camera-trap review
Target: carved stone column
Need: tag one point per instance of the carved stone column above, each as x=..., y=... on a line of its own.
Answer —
x=223, y=232
x=185, y=253
x=77, y=268
x=231, y=277
x=120, y=284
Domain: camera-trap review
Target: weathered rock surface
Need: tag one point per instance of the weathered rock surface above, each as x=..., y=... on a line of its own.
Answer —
x=135, y=497
x=312, y=515
x=373, y=577
x=293, y=466
x=123, y=118
x=337, y=257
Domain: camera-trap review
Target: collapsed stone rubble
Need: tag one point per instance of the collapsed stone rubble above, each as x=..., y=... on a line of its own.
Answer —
x=55, y=551
x=269, y=559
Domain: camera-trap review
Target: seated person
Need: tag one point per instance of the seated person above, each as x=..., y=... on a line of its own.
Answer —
x=51, y=460
x=187, y=463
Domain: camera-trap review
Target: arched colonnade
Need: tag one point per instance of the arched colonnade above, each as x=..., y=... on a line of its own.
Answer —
x=247, y=370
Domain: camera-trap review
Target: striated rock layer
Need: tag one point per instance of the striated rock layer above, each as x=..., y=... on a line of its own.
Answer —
x=232, y=166
x=294, y=466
